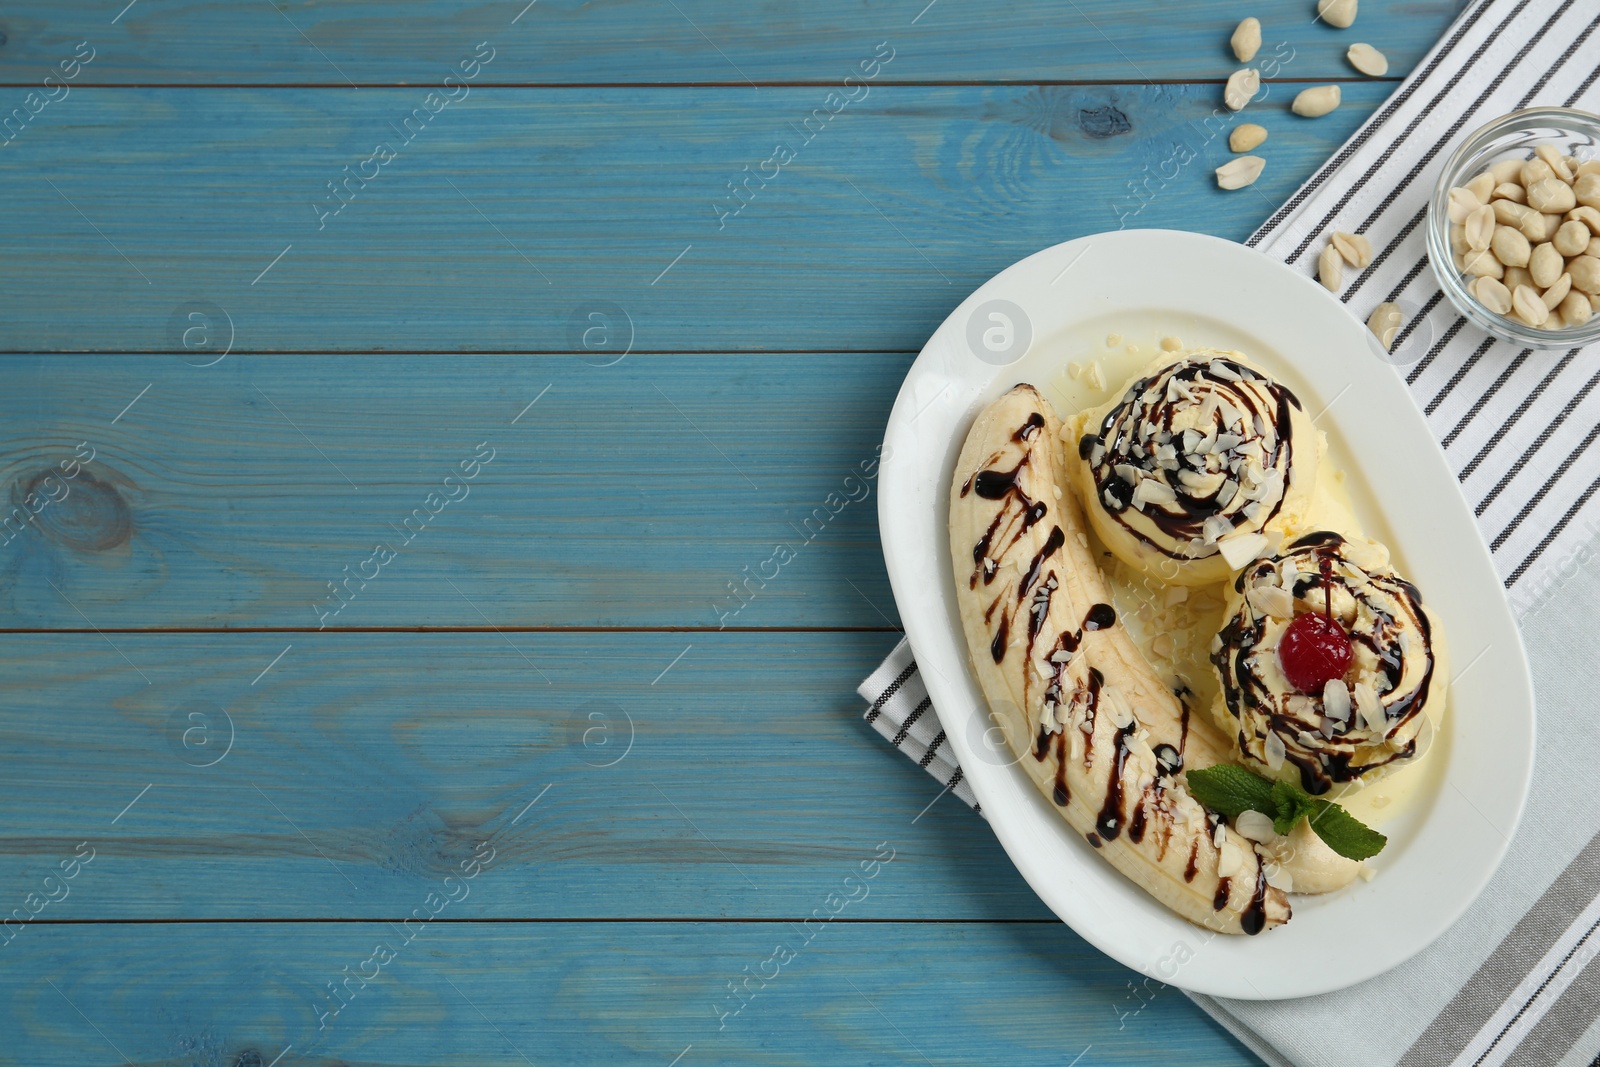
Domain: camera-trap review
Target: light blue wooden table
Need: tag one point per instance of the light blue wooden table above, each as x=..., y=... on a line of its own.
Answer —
x=397, y=397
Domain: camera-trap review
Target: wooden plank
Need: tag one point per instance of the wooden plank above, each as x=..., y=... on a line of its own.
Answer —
x=688, y=776
x=513, y=215
x=565, y=41
x=498, y=994
x=254, y=492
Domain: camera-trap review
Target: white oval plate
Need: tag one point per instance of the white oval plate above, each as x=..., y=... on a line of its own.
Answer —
x=1059, y=305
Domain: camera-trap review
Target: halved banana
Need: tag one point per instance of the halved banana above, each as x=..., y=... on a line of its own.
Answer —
x=1091, y=723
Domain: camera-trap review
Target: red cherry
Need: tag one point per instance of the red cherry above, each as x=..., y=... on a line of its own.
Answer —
x=1314, y=649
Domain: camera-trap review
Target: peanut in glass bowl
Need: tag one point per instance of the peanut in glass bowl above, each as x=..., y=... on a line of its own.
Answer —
x=1514, y=136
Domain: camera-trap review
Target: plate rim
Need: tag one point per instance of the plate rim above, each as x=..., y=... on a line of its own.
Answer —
x=1009, y=828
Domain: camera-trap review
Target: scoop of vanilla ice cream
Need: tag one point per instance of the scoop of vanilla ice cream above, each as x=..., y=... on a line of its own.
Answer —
x=1200, y=464
x=1381, y=715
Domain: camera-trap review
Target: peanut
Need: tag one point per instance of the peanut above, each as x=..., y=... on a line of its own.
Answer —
x=1545, y=264
x=1246, y=40
x=1368, y=60
x=1537, y=227
x=1553, y=195
x=1508, y=170
x=1462, y=203
x=1554, y=160
x=1510, y=247
x=1576, y=309
x=1506, y=213
x=1318, y=101
x=1535, y=170
x=1586, y=190
x=1491, y=294
x=1354, y=248
x=1484, y=265
x=1527, y=306
x=1585, y=271
x=1337, y=13
x=1384, y=322
x=1329, y=271
x=1242, y=87
x=1246, y=137
x=1587, y=215
x=1557, y=292
x=1479, y=228
x=1238, y=173
x=1515, y=276
x=1571, y=239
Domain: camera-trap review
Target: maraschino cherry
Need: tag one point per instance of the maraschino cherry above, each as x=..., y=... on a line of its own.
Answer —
x=1314, y=649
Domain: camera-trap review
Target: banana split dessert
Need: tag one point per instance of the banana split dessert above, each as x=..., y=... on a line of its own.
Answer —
x=1211, y=781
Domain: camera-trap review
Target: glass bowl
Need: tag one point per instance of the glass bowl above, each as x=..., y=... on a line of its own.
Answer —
x=1513, y=136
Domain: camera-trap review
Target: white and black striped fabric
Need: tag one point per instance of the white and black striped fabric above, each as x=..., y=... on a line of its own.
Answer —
x=1518, y=426
x=899, y=708
x=1516, y=981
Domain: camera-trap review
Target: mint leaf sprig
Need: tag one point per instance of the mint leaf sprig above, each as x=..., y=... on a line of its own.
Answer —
x=1231, y=790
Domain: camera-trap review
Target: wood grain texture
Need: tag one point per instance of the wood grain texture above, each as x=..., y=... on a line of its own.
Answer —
x=359, y=770
x=652, y=492
x=513, y=212
x=236, y=995
x=569, y=41
x=277, y=383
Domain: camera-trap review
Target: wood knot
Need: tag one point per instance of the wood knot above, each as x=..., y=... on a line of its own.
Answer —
x=1104, y=121
x=83, y=512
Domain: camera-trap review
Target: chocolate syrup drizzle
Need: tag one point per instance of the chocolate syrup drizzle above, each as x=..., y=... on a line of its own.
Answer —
x=1127, y=436
x=1240, y=655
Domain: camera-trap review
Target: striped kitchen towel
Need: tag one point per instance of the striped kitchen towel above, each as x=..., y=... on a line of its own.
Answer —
x=1517, y=980
x=899, y=708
